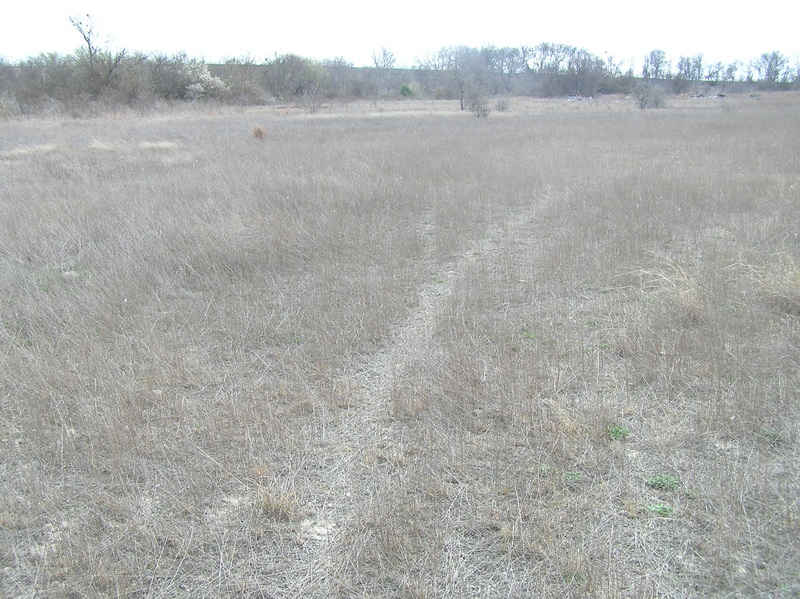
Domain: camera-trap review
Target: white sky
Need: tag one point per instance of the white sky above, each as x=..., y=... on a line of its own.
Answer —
x=354, y=29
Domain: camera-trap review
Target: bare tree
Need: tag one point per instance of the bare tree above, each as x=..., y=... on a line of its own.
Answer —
x=438, y=61
x=771, y=67
x=548, y=65
x=168, y=75
x=655, y=65
x=505, y=61
x=684, y=68
x=384, y=59
x=292, y=76
x=585, y=73
x=242, y=76
x=714, y=72
x=470, y=73
x=316, y=80
x=85, y=27
x=284, y=75
x=344, y=80
x=697, y=67
x=731, y=71
x=384, y=63
x=44, y=76
x=100, y=66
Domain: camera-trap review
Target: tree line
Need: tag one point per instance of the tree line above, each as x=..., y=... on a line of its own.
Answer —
x=95, y=77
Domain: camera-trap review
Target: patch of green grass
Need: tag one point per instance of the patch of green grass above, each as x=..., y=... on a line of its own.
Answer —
x=663, y=482
x=547, y=469
x=618, y=433
x=660, y=509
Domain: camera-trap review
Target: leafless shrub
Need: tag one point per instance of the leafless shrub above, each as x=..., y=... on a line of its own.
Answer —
x=502, y=105
x=478, y=100
x=650, y=95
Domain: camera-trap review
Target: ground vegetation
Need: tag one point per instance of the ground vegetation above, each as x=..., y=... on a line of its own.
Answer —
x=393, y=350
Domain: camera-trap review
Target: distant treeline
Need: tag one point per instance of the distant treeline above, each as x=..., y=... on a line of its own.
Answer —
x=94, y=78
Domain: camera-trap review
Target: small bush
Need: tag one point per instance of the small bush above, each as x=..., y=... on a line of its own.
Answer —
x=650, y=95
x=259, y=133
x=478, y=103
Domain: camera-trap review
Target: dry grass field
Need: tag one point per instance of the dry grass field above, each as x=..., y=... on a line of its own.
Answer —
x=403, y=353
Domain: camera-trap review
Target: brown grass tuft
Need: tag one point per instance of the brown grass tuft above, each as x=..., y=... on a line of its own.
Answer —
x=259, y=132
x=277, y=506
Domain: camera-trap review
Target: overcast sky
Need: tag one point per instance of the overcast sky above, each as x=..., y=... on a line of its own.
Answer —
x=354, y=29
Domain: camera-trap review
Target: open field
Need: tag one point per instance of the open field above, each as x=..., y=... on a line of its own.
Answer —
x=403, y=353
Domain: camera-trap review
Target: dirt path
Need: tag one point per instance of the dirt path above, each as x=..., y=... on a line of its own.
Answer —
x=369, y=424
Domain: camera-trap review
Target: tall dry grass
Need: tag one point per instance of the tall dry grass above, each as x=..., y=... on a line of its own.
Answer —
x=187, y=315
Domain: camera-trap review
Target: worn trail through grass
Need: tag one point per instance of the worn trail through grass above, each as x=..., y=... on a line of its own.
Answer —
x=368, y=428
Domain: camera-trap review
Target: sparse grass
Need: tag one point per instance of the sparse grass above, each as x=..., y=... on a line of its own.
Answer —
x=373, y=358
x=772, y=437
x=778, y=282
